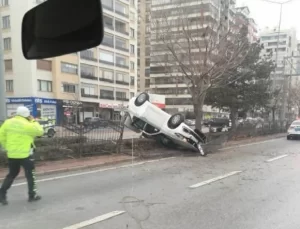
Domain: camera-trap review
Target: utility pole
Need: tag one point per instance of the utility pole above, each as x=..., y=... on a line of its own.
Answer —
x=3, y=112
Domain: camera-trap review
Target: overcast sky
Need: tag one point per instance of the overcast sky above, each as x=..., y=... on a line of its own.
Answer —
x=267, y=14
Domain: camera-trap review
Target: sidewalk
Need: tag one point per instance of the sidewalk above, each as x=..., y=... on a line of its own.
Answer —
x=50, y=167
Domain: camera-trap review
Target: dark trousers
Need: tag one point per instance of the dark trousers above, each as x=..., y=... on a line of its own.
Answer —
x=14, y=169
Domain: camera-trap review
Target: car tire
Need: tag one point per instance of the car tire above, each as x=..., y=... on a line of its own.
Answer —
x=288, y=137
x=141, y=99
x=50, y=133
x=175, y=121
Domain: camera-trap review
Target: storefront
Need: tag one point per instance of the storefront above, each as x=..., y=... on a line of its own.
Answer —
x=111, y=111
x=68, y=111
x=39, y=107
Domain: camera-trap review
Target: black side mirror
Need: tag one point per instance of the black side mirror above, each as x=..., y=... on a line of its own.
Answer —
x=59, y=27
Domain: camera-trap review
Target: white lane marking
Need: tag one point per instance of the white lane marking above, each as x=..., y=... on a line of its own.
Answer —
x=95, y=220
x=94, y=171
x=250, y=144
x=277, y=158
x=214, y=179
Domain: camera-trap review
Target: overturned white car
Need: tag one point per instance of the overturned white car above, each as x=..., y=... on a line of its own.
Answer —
x=148, y=119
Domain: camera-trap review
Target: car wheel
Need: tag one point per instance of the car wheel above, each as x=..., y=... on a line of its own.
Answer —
x=141, y=99
x=288, y=137
x=51, y=133
x=166, y=142
x=175, y=121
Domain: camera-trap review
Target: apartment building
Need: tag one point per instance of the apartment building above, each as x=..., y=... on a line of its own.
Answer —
x=144, y=44
x=213, y=12
x=242, y=18
x=281, y=45
x=98, y=81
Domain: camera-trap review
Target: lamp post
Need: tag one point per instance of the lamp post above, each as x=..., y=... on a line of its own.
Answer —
x=276, y=57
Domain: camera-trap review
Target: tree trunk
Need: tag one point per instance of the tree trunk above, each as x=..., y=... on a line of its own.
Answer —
x=273, y=115
x=233, y=117
x=199, y=115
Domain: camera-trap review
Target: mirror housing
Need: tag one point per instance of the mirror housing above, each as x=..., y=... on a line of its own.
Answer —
x=59, y=27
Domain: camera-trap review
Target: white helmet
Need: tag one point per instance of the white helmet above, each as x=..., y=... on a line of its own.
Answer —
x=23, y=111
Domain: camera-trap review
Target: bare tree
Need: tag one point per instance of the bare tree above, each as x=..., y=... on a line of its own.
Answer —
x=197, y=49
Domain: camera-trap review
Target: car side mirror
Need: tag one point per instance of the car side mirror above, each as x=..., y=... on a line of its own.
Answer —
x=59, y=27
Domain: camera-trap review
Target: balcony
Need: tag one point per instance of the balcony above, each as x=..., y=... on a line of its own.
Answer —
x=106, y=80
x=88, y=58
x=122, y=49
x=122, y=66
x=107, y=44
x=122, y=99
x=107, y=97
x=122, y=31
x=107, y=8
x=109, y=27
x=106, y=62
x=88, y=76
x=122, y=14
x=89, y=96
x=122, y=82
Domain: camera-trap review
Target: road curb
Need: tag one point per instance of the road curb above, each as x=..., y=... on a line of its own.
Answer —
x=73, y=169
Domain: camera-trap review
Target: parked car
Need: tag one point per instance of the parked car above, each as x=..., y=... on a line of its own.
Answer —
x=95, y=122
x=49, y=128
x=294, y=130
x=219, y=124
x=148, y=119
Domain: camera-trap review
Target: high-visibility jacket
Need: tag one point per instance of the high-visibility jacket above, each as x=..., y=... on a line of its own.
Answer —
x=17, y=136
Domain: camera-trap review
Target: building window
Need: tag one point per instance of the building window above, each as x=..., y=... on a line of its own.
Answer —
x=69, y=68
x=108, y=22
x=132, y=33
x=7, y=43
x=4, y=2
x=108, y=75
x=132, y=49
x=106, y=57
x=108, y=40
x=122, y=78
x=44, y=85
x=68, y=88
x=131, y=65
x=44, y=65
x=131, y=94
x=132, y=80
x=88, y=55
x=132, y=3
x=121, y=61
x=121, y=27
x=9, y=85
x=121, y=8
x=6, y=22
x=88, y=90
x=120, y=95
x=107, y=4
x=106, y=94
x=8, y=64
x=121, y=44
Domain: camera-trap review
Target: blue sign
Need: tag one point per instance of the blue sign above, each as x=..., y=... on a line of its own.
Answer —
x=31, y=100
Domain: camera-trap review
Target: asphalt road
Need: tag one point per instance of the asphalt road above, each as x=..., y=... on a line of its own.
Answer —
x=253, y=186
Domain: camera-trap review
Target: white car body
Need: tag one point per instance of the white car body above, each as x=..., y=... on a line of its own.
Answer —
x=294, y=130
x=157, y=118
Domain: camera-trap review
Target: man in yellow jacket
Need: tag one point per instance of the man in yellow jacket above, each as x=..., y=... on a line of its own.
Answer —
x=17, y=136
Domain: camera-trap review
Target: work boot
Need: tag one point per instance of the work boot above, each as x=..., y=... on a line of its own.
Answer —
x=3, y=200
x=34, y=198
